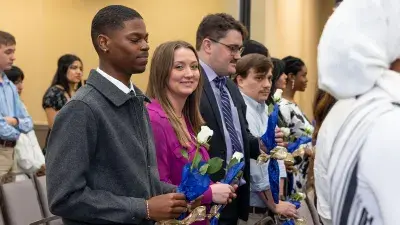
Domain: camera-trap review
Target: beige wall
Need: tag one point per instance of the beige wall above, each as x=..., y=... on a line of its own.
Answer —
x=46, y=29
x=292, y=27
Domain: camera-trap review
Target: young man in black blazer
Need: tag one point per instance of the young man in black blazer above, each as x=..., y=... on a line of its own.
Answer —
x=219, y=42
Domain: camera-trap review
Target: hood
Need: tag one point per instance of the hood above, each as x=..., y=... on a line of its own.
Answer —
x=359, y=42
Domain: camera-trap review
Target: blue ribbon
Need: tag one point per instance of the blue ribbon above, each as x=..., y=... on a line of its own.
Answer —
x=193, y=184
x=291, y=221
x=228, y=179
x=269, y=141
x=293, y=146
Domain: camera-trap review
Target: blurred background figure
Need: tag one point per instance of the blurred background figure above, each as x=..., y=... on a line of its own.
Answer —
x=28, y=156
x=66, y=81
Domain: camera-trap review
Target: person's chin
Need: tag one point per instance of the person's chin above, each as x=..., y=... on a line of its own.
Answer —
x=231, y=71
x=262, y=98
x=138, y=69
x=8, y=67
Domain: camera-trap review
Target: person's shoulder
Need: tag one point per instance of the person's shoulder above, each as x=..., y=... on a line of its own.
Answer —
x=157, y=115
x=386, y=126
x=86, y=96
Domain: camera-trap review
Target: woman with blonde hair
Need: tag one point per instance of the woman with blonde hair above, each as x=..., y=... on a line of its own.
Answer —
x=175, y=86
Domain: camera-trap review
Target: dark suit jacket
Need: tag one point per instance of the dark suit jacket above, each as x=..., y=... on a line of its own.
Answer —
x=210, y=112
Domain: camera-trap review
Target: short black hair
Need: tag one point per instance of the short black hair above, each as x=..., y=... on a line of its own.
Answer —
x=252, y=46
x=293, y=65
x=6, y=38
x=215, y=26
x=14, y=74
x=111, y=18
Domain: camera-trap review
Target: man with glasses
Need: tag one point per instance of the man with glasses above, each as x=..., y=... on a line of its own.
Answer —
x=219, y=42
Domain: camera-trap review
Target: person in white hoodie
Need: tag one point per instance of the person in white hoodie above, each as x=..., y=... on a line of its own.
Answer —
x=357, y=147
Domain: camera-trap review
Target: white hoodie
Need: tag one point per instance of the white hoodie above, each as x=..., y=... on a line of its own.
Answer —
x=358, y=145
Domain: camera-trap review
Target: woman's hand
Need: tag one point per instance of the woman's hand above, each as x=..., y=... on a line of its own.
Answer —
x=222, y=193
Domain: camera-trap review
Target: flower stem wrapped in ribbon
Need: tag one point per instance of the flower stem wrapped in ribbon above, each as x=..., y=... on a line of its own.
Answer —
x=295, y=149
x=233, y=174
x=195, y=178
x=295, y=199
x=273, y=153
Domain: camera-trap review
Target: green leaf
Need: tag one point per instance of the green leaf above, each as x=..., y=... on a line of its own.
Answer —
x=185, y=154
x=215, y=165
x=203, y=169
x=196, y=161
x=232, y=162
x=270, y=108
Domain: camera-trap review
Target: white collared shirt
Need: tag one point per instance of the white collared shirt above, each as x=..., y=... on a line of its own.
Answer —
x=257, y=118
x=117, y=83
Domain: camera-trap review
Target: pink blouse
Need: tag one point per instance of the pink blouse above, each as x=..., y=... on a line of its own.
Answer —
x=169, y=157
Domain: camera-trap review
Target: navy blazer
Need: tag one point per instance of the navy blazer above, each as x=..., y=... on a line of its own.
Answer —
x=211, y=114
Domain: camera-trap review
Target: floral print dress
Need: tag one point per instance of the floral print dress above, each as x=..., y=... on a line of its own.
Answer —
x=55, y=97
x=297, y=122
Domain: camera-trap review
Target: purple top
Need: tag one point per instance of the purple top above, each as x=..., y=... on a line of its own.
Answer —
x=169, y=158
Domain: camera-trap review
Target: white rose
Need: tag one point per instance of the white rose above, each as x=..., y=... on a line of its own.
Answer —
x=285, y=131
x=302, y=195
x=238, y=156
x=309, y=130
x=278, y=95
x=204, y=135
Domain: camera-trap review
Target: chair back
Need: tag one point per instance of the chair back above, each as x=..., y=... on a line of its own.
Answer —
x=21, y=203
x=42, y=191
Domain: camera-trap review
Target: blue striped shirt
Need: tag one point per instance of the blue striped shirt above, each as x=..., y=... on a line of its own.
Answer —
x=11, y=106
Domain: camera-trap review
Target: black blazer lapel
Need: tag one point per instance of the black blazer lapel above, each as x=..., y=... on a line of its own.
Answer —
x=211, y=98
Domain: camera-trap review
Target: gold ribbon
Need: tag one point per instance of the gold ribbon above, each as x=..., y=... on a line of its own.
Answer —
x=278, y=153
x=198, y=214
x=300, y=221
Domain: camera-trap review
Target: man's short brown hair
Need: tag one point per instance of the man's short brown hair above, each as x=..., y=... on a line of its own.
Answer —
x=258, y=62
x=6, y=38
x=215, y=26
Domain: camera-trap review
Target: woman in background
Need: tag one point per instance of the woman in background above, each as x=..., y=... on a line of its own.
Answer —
x=66, y=81
x=297, y=80
x=279, y=81
x=28, y=156
x=175, y=86
x=293, y=116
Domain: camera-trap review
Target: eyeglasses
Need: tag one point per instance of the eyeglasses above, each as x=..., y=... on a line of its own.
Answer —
x=234, y=49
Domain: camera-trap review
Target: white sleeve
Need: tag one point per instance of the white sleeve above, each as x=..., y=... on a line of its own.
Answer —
x=379, y=165
x=259, y=179
x=282, y=169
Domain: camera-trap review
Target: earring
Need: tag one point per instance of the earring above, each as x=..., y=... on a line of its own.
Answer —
x=105, y=50
x=292, y=84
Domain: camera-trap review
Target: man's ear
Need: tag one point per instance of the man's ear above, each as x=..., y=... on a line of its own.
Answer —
x=239, y=80
x=206, y=45
x=103, y=42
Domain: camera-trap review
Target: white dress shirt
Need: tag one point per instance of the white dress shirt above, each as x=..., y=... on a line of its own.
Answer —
x=117, y=83
x=257, y=118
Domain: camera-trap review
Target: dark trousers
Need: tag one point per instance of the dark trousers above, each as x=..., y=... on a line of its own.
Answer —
x=230, y=214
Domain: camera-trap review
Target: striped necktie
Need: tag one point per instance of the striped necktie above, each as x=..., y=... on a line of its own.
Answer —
x=220, y=83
